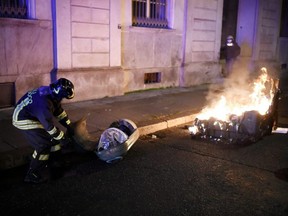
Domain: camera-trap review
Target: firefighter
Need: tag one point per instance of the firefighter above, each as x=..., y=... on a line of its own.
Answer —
x=33, y=115
x=231, y=52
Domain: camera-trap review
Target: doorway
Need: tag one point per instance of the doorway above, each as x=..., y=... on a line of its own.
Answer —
x=229, y=21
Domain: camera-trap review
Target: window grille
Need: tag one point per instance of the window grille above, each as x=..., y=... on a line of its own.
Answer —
x=152, y=78
x=14, y=9
x=149, y=13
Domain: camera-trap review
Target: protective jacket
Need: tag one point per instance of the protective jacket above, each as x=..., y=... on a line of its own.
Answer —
x=232, y=51
x=36, y=109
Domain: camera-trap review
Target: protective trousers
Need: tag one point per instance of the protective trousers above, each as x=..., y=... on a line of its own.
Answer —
x=41, y=142
x=229, y=66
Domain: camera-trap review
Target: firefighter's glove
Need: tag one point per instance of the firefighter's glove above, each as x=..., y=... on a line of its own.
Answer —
x=70, y=132
x=65, y=141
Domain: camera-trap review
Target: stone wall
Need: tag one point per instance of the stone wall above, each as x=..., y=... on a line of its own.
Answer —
x=90, y=33
x=147, y=50
x=88, y=47
x=282, y=51
x=94, y=83
x=203, y=38
x=87, y=34
x=97, y=47
x=267, y=32
x=25, y=53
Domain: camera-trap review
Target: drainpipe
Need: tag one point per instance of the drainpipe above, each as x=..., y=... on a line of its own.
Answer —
x=256, y=39
x=182, y=71
x=31, y=11
x=53, y=73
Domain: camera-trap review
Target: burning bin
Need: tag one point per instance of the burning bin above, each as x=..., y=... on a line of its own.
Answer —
x=248, y=127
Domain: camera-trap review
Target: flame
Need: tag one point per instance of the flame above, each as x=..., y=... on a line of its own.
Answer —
x=259, y=99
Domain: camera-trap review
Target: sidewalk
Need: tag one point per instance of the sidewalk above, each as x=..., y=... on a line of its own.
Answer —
x=150, y=110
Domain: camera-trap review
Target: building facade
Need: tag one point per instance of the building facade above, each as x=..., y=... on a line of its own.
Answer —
x=108, y=48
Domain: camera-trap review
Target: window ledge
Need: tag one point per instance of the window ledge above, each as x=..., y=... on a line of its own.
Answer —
x=23, y=22
x=147, y=29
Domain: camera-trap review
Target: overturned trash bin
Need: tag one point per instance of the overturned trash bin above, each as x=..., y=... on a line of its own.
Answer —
x=113, y=143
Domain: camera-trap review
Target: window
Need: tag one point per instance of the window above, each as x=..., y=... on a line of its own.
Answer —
x=14, y=9
x=149, y=13
x=152, y=78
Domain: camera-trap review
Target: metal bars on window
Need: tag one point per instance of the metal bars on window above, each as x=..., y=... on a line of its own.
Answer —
x=152, y=78
x=149, y=13
x=14, y=9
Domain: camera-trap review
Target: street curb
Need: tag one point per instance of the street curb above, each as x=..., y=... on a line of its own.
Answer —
x=145, y=130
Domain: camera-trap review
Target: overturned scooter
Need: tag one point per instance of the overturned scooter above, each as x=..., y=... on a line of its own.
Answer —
x=113, y=143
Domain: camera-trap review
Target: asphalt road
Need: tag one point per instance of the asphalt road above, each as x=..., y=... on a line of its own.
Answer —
x=167, y=174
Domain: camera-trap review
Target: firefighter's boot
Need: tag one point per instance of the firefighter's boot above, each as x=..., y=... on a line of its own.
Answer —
x=37, y=173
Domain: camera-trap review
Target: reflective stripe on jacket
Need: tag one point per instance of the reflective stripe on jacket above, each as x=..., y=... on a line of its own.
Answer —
x=37, y=110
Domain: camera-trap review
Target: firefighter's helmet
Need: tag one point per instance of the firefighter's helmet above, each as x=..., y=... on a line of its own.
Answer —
x=230, y=39
x=62, y=88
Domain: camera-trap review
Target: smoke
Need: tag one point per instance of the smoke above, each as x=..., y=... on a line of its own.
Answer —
x=235, y=88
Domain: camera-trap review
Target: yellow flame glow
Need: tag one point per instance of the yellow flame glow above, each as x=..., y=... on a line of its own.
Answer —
x=260, y=100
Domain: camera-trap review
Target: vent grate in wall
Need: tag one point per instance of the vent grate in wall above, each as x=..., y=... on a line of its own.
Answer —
x=152, y=77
